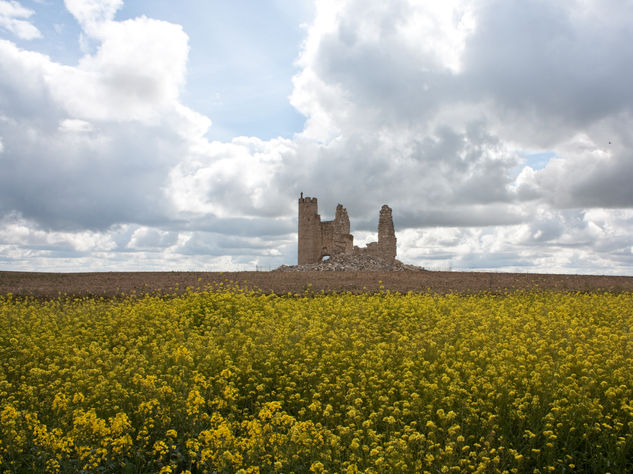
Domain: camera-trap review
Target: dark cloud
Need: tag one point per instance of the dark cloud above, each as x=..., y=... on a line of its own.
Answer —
x=206, y=243
x=608, y=185
x=68, y=180
x=243, y=227
x=458, y=217
x=554, y=62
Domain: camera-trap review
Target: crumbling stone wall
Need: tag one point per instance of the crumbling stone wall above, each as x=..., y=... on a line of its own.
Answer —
x=320, y=239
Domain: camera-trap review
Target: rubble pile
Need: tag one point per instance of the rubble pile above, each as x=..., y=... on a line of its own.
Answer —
x=351, y=263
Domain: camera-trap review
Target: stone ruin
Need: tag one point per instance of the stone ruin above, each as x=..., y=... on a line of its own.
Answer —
x=318, y=240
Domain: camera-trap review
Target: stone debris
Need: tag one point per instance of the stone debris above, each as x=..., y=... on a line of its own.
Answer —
x=351, y=263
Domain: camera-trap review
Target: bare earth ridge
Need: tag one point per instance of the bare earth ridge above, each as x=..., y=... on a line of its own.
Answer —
x=111, y=284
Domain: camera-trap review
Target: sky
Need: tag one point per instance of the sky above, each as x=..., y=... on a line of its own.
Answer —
x=177, y=136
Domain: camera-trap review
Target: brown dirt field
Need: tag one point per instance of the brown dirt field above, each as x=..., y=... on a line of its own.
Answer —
x=48, y=285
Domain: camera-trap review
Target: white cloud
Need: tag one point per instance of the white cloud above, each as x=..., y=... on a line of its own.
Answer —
x=594, y=241
x=380, y=63
x=232, y=179
x=152, y=239
x=75, y=125
x=17, y=231
x=12, y=18
x=136, y=74
x=93, y=15
x=95, y=180
x=24, y=245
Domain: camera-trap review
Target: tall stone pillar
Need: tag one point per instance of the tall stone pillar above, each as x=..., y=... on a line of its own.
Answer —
x=309, y=244
x=386, y=235
x=344, y=240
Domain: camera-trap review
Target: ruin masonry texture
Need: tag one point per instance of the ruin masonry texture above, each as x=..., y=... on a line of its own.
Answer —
x=326, y=239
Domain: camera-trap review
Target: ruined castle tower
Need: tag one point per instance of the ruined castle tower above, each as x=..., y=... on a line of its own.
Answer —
x=320, y=239
x=386, y=235
x=309, y=230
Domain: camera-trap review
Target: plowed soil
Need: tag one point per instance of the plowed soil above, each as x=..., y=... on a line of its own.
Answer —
x=49, y=285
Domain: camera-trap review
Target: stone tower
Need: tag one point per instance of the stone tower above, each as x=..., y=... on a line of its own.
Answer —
x=309, y=231
x=386, y=235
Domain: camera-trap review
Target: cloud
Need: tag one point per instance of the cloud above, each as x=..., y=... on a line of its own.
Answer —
x=148, y=238
x=236, y=179
x=587, y=174
x=596, y=241
x=75, y=125
x=19, y=233
x=431, y=108
x=112, y=84
x=93, y=15
x=12, y=16
x=558, y=61
x=90, y=146
x=455, y=120
x=384, y=101
x=24, y=244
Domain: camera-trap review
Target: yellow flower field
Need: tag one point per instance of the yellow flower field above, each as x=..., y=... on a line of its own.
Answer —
x=230, y=380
